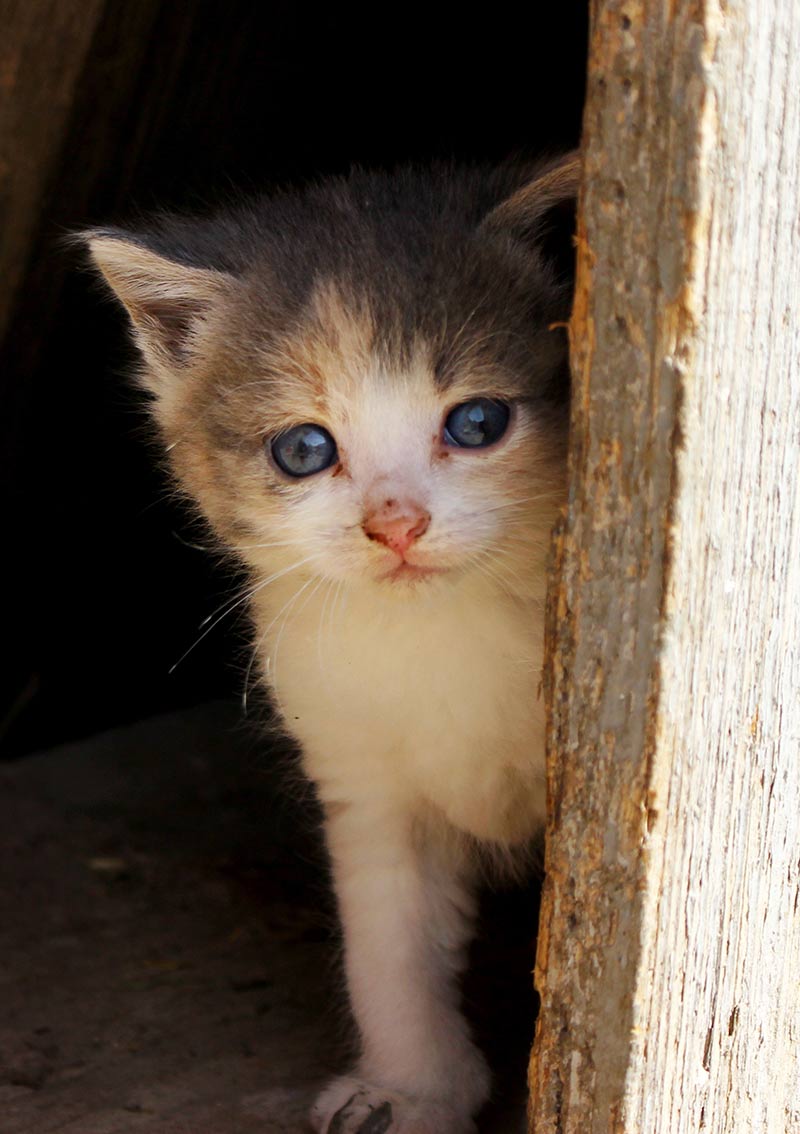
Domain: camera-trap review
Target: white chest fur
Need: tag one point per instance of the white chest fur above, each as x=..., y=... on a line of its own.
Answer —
x=432, y=699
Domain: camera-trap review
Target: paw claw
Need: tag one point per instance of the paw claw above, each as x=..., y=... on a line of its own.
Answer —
x=378, y=1120
x=352, y=1106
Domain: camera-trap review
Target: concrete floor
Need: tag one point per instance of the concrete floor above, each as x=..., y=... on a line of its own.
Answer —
x=168, y=956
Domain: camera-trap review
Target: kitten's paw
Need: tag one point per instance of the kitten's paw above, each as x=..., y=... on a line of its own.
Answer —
x=353, y=1106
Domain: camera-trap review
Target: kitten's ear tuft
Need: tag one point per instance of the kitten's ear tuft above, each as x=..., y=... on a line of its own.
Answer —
x=166, y=300
x=542, y=212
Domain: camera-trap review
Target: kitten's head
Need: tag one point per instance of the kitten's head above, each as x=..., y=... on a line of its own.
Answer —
x=363, y=380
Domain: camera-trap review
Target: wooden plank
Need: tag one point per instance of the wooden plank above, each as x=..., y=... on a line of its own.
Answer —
x=42, y=52
x=669, y=953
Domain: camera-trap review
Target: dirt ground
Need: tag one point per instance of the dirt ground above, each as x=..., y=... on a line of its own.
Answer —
x=168, y=952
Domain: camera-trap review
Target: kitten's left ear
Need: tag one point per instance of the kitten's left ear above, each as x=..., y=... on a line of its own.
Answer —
x=542, y=213
x=167, y=300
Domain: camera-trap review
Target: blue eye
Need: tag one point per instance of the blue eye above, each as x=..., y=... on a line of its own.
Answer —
x=304, y=450
x=477, y=423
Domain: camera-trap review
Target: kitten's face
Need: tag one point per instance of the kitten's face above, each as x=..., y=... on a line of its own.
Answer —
x=320, y=443
x=375, y=473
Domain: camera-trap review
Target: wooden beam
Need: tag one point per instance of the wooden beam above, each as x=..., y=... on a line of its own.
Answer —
x=669, y=953
x=43, y=48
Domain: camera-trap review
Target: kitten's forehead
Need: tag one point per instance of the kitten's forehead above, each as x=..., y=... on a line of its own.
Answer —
x=342, y=363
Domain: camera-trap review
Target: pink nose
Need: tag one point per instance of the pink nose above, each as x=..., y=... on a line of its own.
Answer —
x=396, y=524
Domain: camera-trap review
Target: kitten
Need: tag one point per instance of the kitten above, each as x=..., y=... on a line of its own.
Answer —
x=361, y=386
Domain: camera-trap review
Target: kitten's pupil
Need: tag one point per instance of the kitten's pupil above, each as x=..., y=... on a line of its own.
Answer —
x=476, y=423
x=304, y=450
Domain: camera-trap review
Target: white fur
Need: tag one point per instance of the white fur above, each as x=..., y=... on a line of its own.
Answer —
x=428, y=700
x=417, y=711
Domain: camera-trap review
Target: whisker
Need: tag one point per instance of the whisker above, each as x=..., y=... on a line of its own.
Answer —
x=482, y=569
x=335, y=604
x=276, y=543
x=187, y=543
x=505, y=568
x=243, y=598
x=257, y=647
x=323, y=629
x=273, y=660
x=485, y=561
x=320, y=624
x=488, y=570
x=518, y=503
x=230, y=601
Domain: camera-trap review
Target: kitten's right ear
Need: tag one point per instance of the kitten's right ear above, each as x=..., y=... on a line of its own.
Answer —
x=555, y=185
x=541, y=214
x=167, y=300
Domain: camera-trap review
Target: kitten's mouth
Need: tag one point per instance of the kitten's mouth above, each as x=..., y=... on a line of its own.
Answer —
x=405, y=572
x=410, y=572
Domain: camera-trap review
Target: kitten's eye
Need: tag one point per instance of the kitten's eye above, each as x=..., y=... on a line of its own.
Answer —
x=477, y=423
x=304, y=450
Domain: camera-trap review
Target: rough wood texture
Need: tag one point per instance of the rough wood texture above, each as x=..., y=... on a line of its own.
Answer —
x=42, y=51
x=669, y=955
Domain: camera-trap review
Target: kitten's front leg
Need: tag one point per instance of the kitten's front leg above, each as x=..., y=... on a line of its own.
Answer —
x=406, y=919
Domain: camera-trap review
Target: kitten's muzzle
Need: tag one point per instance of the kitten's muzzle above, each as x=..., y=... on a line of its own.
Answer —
x=397, y=524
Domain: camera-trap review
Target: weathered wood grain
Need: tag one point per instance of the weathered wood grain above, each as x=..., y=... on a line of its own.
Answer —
x=43, y=46
x=669, y=955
